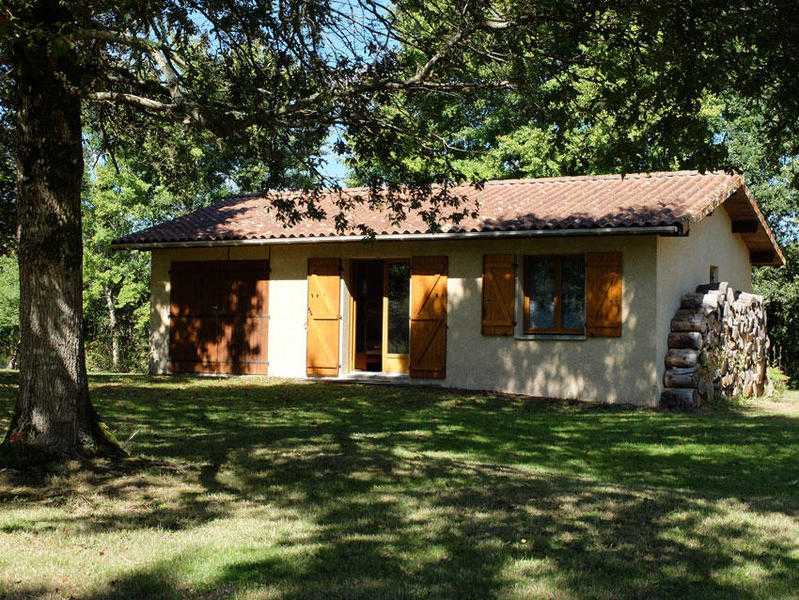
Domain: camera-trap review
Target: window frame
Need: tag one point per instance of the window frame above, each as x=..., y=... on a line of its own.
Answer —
x=558, y=329
x=713, y=274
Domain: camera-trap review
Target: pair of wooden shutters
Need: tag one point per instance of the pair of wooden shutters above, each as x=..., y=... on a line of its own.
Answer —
x=428, y=317
x=218, y=317
x=603, y=294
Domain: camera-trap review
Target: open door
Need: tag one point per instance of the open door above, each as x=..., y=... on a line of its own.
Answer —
x=428, y=343
x=396, y=316
x=366, y=286
x=324, y=317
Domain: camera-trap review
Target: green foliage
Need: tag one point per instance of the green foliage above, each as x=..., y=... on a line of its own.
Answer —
x=9, y=307
x=115, y=203
x=162, y=175
x=780, y=383
x=771, y=174
x=781, y=288
x=772, y=178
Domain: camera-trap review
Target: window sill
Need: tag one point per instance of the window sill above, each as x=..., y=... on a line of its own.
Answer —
x=555, y=337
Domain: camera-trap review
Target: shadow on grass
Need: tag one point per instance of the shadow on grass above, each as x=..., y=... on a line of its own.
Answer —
x=417, y=493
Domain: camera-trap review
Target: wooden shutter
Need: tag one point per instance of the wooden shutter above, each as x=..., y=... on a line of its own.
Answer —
x=218, y=316
x=243, y=317
x=428, y=356
x=324, y=316
x=499, y=294
x=604, y=289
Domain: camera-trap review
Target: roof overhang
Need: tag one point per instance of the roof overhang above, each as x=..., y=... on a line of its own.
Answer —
x=751, y=225
x=406, y=237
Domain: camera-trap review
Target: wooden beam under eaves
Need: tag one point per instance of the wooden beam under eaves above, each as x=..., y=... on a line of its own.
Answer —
x=745, y=226
x=763, y=258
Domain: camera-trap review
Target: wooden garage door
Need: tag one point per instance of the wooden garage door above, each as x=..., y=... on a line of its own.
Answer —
x=218, y=317
x=324, y=317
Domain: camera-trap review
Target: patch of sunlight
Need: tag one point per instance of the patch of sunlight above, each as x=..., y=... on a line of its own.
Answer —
x=750, y=571
x=749, y=539
x=206, y=569
x=403, y=452
x=232, y=481
x=102, y=552
x=427, y=512
x=387, y=539
x=533, y=578
x=267, y=592
x=419, y=433
x=362, y=476
x=698, y=452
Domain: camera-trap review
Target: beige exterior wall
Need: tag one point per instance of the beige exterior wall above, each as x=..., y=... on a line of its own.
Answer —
x=595, y=369
x=684, y=263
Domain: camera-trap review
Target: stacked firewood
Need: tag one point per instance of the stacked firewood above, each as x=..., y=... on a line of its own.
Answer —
x=718, y=345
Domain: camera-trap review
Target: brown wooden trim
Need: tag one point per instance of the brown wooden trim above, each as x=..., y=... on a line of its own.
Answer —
x=745, y=226
x=491, y=296
x=604, y=289
x=323, y=267
x=764, y=258
x=258, y=266
x=558, y=272
x=206, y=338
x=433, y=324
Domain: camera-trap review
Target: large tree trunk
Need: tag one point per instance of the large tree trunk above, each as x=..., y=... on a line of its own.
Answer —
x=112, y=323
x=53, y=413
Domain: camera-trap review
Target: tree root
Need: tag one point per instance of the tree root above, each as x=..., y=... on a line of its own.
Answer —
x=20, y=449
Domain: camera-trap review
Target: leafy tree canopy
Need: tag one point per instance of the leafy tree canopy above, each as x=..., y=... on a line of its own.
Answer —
x=417, y=89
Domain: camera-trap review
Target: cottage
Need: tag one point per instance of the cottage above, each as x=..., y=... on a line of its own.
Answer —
x=561, y=287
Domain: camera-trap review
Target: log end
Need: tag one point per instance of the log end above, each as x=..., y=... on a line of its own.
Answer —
x=682, y=358
x=679, y=399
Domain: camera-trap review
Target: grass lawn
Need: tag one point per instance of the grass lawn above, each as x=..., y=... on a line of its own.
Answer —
x=253, y=488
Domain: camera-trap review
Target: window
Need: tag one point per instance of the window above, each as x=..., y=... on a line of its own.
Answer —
x=714, y=274
x=398, y=290
x=554, y=294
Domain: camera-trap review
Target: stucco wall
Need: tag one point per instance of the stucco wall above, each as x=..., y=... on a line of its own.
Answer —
x=684, y=263
x=598, y=369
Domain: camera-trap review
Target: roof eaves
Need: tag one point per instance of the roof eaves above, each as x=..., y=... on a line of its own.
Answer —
x=762, y=219
x=673, y=229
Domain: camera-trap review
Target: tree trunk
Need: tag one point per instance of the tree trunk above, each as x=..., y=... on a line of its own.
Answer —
x=112, y=321
x=53, y=414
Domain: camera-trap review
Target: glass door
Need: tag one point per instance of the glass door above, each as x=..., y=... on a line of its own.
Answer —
x=396, y=315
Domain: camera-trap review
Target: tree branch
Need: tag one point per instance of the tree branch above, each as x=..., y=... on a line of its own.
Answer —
x=133, y=100
x=115, y=37
x=424, y=71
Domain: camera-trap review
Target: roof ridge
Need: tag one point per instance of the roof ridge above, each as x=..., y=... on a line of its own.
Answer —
x=605, y=177
x=514, y=181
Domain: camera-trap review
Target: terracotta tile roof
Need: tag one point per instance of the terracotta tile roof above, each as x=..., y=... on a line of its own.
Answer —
x=589, y=202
